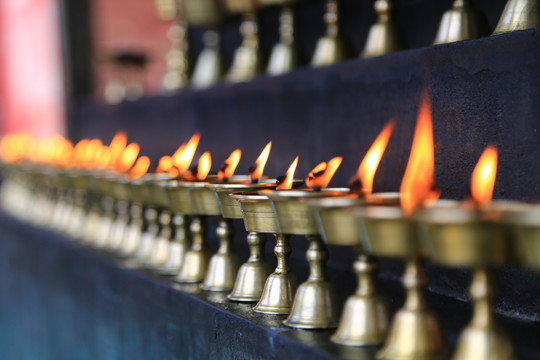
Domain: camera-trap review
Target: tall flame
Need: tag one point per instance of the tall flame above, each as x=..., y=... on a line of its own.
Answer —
x=140, y=168
x=183, y=156
x=79, y=152
x=257, y=171
x=321, y=174
x=370, y=163
x=418, y=182
x=117, y=146
x=128, y=157
x=203, y=168
x=288, y=181
x=165, y=164
x=104, y=157
x=483, y=177
x=229, y=166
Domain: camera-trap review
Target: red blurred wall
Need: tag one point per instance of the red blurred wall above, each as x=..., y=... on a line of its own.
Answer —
x=31, y=85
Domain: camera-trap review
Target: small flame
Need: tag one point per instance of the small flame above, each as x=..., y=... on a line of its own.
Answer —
x=370, y=163
x=79, y=152
x=229, y=166
x=183, y=156
x=128, y=157
x=483, y=177
x=104, y=157
x=91, y=153
x=321, y=175
x=257, y=171
x=287, y=183
x=117, y=146
x=140, y=168
x=165, y=164
x=418, y=182
x=203, y=168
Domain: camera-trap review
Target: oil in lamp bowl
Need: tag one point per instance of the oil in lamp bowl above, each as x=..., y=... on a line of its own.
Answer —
x=459, y=235
x=295, y=215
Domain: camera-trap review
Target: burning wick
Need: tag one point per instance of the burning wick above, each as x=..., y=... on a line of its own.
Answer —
x=285, y=182
x=201, y=171
x=321, y=174
x=363, y=183
x=229, y=166
x=256, y=170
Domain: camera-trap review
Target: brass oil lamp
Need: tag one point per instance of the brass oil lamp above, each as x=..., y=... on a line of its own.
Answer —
x=364, y=320
x=249, y=282
x=414, y=332
x=518, y=15
x=283, y=57
x=472, y=235
x=316, y=302
x=247, y=61
x=276, y=294
x=462, y=22
x=330, y=48
x=385, y=36
x=208, y=68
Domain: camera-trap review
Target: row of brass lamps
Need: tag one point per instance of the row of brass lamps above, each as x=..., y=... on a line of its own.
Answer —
x=462, y=22
x=104, y=197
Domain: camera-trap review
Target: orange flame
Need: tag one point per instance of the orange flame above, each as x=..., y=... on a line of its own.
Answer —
x=418, y=182
x=104, y=157
x=370, y=163
x=91, y=153
x=117, y=146
x=128, y=157
x=287, y=183
x=203, y=168
x=483, y=177
x=79, y=152
x=140, y=168
x=321, y=175
x=257, y=171
x=165, y=164
x=229, y=166
x=183, y=156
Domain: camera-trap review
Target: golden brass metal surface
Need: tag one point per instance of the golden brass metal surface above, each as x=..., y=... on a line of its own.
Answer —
x=223, y=266
x=385, y=36
x=240, y=6
x=459, y=236
x=145, y=249
x=160, y=245
x=519, y=15
x=280, y=286
x=179, y=198
x=208, y=68
x=330, y=47
x=524, y=225
x=462, y=22
x=193, y=269
x=365, y=318
x=247, y=59
x=316, y=302
x=414, y=333
x=230, y=207
x=284, y=57
x=482, y=339
x=258, y=212
x=202, y=12
x=251, y=276
x=390, y=233
x=178, y=247
x=296, y=216
x=203, y=199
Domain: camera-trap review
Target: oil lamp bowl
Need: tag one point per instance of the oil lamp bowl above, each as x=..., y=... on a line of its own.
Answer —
x=155, y=194
x=523, y=221
x=257, y=210
x=203, y=199
x=337, y=223
x=391, y=232
x=179, y=198
x=295, y=215
x=230, y=207
x=202, y=12
x=459, y=235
